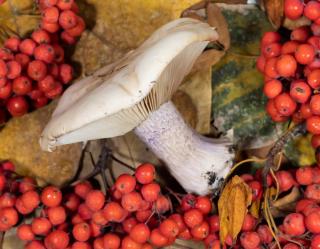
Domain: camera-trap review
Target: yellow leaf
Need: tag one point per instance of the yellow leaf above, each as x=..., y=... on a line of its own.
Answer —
x=255, y=208
x=233, y=207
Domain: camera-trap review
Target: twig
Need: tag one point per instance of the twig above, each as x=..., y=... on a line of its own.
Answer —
x=277, y=148
x=122, y=163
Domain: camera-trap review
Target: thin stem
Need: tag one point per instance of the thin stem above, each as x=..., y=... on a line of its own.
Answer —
x=122, y=163
x=277, y=148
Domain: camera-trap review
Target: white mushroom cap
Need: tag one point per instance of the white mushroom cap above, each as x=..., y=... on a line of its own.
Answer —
x=120, y=96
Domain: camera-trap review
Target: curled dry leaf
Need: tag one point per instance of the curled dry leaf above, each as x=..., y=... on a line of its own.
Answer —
x=212, y=14
x=255, y=208
x=286, y=203
x=233, y=207
x=274, y=10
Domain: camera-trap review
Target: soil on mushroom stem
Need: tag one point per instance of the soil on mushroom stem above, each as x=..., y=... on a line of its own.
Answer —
x=33, y=70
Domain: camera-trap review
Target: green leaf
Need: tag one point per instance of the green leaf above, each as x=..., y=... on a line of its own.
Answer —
x=237, y=101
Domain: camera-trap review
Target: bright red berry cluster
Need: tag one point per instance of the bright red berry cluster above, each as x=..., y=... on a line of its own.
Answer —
x=33, y=70
x=291, y=65
x=299, y=228
x=136, y=213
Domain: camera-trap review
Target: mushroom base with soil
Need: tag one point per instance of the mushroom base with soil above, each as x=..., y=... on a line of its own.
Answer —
x=199, y=164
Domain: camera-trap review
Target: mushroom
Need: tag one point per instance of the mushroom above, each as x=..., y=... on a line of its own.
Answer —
x=134, y=94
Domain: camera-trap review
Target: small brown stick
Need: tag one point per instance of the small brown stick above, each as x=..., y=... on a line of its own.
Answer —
x=277, y=148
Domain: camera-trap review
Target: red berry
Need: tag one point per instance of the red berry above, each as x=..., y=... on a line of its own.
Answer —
x=293, y=9
x=193, y=217
x=27, y=46
x=55, y=92
x=285, y=105
x=291, y=246
x=285, y=180
x=66, y=73
x=315, y=242
x=47, y=84
x=65, y=4
x=95, y=200
x=250, y=240
x=131, y=201
x=50, y=15
x=162, y=204
x=40, y=36
x=113, y=212
x=313, y=192
x=81, y=232
x=286, y=65
x=41, y=226
x=140, y=233
x=30, y=199
x=270, y=37
x=128, y=224
x=305, y=54
x=169, y=228
x=22, y=85
x=99, y=219
x=6, y=91
x=85, y=212
x=273, y=112
x=51, y=196
x=312, y=222
x=81, y=245
x=270, y=67
x=44, y=52
x=265, y=234
x=312, y=10
x=68, y=19
x=22, y=59
x=57, y=215
x=203, y=204
x=35, y=244
x=313, y=125
x=82, y=189
x=50, y=27
x=24, y=232
x=78, y=29
x=98, y=243
x=37, y=70
x=157, y=239
x=27, y=184
x=201, y=231
x=249, y=223
x=293, y=224
x=14, y=70
x=271, y=50
x=289, y=47
x=12, y=44
x=188, y=202
x=150, y=192
x=17, y=106
x=3, y=68
x=304, y=175
x=58, y=53
x=68, y=38
x=125, y=183
x=111, y=241
x=314, y=78
x=300, y=91
x=272, y=88
x=300, y=34
x=57, y=239
x=7, y=200
x=145, y=173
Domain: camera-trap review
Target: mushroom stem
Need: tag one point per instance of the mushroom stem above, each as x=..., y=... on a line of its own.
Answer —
x=198, y=163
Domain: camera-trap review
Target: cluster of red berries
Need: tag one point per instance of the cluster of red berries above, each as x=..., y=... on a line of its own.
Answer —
x=299, y=229
x=290, y=63
x=134, y=214
x=33, y=70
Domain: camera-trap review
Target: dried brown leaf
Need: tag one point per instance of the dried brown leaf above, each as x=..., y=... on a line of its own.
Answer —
x=233, y=206
x=255, y=208
x=274, y=9
x=216, y=19
x=293, y=24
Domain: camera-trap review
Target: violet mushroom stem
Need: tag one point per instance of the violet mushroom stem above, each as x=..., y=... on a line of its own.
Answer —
x=198, y=163
x=134, y=94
